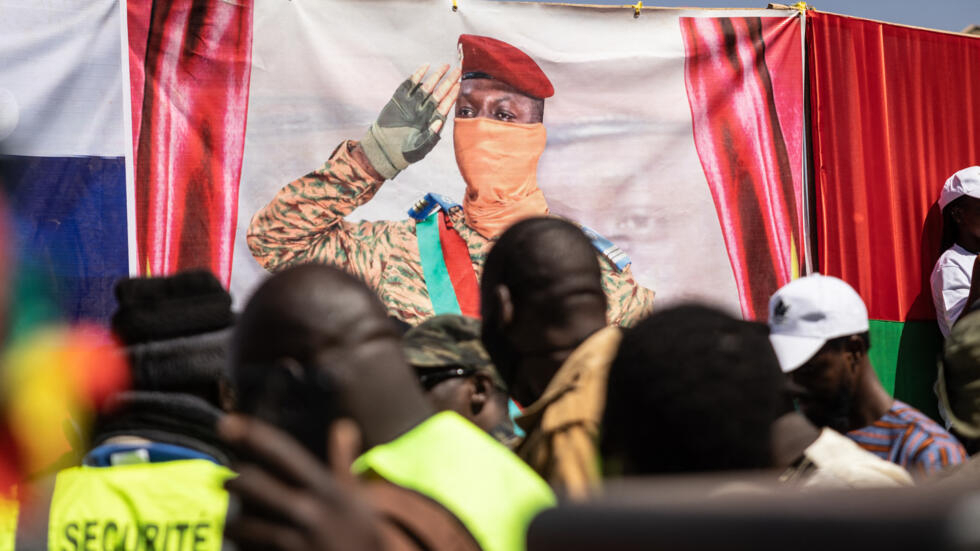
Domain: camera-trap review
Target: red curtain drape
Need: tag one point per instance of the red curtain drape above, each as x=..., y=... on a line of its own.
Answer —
x=894, y=112
x=190, y=62
x=745, y=118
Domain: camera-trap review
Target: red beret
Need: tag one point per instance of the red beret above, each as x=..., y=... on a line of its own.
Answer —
x=500, y=60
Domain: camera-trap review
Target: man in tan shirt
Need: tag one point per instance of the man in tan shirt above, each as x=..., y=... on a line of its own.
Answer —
x=545, y=329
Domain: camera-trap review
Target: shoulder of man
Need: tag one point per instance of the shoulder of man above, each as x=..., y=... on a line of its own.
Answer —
x=842, y=462
x=955, y=257
x=577, y=394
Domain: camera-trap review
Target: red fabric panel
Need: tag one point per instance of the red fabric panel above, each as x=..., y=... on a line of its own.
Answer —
x=457, y=257
x=138, y=25
x=894, y=112
x=742, y=147
x=783, y=39
x=192, y=133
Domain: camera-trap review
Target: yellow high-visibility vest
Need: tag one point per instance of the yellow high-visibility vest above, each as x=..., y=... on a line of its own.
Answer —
x=447, y=458
x=167, y=506
x=8, y=521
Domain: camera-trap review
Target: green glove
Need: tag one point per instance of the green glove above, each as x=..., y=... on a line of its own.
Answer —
x=402, y=133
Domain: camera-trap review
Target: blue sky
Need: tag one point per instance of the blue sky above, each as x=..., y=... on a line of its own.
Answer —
x=949, y=15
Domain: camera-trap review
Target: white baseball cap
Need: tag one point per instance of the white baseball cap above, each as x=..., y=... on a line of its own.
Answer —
x=807, y=312
x=964, y=182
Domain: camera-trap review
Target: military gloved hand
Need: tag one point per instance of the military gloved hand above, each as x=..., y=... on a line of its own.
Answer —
x=408, y=126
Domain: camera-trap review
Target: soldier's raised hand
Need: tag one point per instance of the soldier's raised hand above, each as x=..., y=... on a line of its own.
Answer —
x=408, y=126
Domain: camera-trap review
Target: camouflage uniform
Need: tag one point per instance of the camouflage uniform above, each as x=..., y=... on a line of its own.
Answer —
x=305, y=223
x=449, y=340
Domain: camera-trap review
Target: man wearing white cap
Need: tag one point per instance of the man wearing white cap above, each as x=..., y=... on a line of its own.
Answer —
x=819, y=330
x=952, y=277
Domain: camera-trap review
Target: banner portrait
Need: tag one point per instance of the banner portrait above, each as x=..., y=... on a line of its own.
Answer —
x=676, y=137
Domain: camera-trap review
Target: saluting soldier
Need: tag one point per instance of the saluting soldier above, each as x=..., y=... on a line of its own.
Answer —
x=429, y=264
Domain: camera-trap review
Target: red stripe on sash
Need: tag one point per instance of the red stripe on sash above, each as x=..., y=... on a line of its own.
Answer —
x=460, y=268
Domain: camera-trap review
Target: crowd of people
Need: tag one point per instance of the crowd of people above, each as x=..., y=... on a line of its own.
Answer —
x=332, y=428
x=337, y=411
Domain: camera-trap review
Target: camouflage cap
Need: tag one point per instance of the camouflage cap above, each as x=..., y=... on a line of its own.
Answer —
x=448, y=340
x=958, y=383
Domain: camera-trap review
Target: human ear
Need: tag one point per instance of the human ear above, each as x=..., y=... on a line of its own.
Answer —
x=502, y=293
x=854, y=348
x=480, y=387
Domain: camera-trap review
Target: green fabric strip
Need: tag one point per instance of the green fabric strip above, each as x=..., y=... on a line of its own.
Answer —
x=437, y=282
x=904, y=356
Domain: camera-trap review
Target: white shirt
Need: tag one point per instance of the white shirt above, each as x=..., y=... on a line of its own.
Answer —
x=841, y=463
x=950, y=283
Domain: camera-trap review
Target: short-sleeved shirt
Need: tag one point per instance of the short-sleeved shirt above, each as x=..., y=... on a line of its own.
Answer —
x=906, y=437
x=950, y=282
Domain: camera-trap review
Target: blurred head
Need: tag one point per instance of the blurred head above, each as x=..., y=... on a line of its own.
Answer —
x=826, y=386
x=965, y=214
x=541, y=296
x=456, y=372
x=176, y=331
x=819, y=329
x=311, y=341
x=959, y=202
x=691, y=390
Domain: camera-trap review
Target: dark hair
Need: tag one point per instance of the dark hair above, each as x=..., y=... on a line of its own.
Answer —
x=527, y=259
x=691, y=390
x=840, y=343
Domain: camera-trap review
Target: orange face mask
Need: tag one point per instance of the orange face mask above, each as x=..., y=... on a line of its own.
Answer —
x=499, y=162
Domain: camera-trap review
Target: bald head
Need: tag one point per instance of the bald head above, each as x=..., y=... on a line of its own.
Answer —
x=315, y=343
x=541, y=296
x=543, y=258
x=297, y=310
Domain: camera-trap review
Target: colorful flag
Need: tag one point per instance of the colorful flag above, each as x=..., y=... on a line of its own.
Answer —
x=894, y=112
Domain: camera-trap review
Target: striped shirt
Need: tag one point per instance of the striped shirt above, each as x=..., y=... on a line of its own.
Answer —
x=908, y=438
